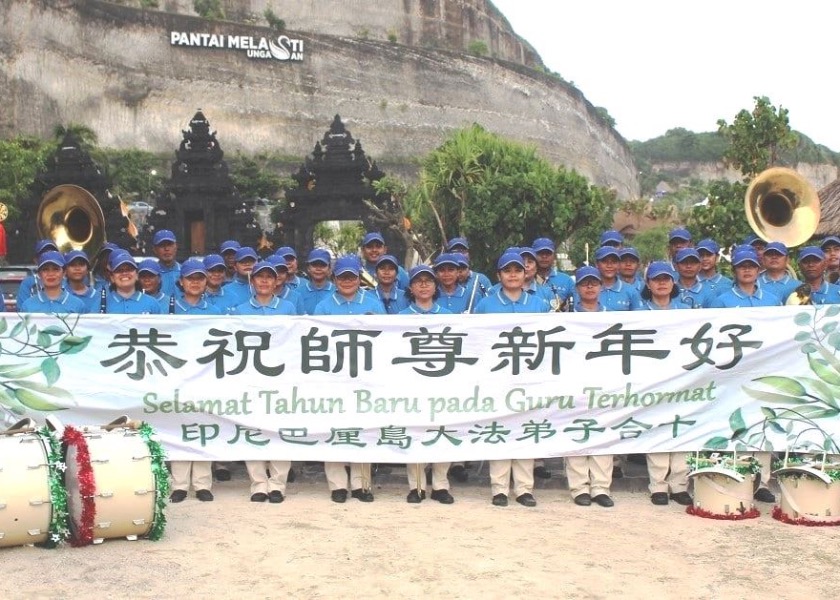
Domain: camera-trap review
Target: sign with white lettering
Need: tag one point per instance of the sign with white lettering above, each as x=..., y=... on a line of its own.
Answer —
x=437, y=388
x=282, y=48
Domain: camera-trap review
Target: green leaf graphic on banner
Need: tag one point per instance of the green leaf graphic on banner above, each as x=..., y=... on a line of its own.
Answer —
x=12, y=403
x=776, y=427
x=768, y=412
x=784, y=385
x=19, y=370
x=823, y=371
x=802, y=318
x=833, y=311
x=51, y=370
x=802, y=336
x=73, y=344
x=825, y=392
x=37, y=400
x=829, y=327
x=716, y=443
x=809, y=348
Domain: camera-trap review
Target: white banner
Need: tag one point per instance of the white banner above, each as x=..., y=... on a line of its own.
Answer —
x=430, y=389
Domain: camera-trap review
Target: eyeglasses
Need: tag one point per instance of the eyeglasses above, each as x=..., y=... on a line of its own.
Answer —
x=423, y=282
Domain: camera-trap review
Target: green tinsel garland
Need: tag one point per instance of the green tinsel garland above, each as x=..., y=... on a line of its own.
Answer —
x=751, y=467
x=795, y=461
x=161, y=481
x=59, y=530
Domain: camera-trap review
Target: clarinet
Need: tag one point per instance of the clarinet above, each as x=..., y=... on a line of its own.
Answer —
x=103, y=301
x=172, y=304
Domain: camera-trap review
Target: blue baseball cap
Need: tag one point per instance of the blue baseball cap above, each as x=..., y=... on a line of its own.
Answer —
x=446, y=258
x=318, y=255
x=685, y=254
x=75, y=255
x=163, y=235
x=605, y=251
x=541, y=244
x=387, y=258
x=527, y=250
x=419, y=270
x=277, y=261
x=372, y=236
x=709, y=245
x=660, y=268
x=629, y=251
x=108, y=247
x=191, y=266
x=461, y=259
x=246, y=252
x=229, y=246
x=457, y=242
x=51, y=257
x=776, y=247
x=742, y=256
x=831, y=240
x=754, y=239
x=120, y=258
x=811, y=252
x=213, y=261
x=679, y=233
x=286, y=252
x=44, y=246
x=264, y=265
x=586, y=272
x=149, y=265
x=611, y=236
x=347, y=264
x=509, y=258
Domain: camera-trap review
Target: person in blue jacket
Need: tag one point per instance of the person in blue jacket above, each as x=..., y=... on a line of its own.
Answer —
x=319, y=285
x=78, y=279
x=52, y=297
x=124, y=295
x=263, y=300
x=165, y=247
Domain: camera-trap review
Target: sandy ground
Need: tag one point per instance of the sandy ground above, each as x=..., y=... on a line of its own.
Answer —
x=310, y=547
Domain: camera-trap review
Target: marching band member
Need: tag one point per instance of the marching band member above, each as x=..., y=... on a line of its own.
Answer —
x=668, y=471
x=692, y=291
x=469, y=279
x=611, y=239
x=512, y=299
x=590, y=477
x=615, y=294
x=746, y=292
x=240, y=286
x=148, y=274
x=268, y=478
x=812, y=265
x=558, y=283
x=283, y=290
x=775, y=278
x=228, y=252
x=318, y=286
x=348, y=299
x=124, y=295
x=758, y=245
x=831, y=247
x=678, y=238
x=453, y=297
x=190, y=301
x=30, y=285
x=216, y=291
x=422, y=292
x=290, y=256
x=708, y=251
x=373, y=248
x=392, y=297
x=52, y=297
x=628, y=268
x=165, y=247
x=77, y=275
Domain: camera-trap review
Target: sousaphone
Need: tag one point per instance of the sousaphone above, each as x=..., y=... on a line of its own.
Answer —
x=72, y=218
x=782, y=206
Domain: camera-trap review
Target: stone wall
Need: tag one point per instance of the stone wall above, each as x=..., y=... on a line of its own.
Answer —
x=112, y=68
x=819, y=175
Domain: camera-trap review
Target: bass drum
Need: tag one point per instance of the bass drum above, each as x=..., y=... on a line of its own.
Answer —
x=124, y=483
x=25, y=506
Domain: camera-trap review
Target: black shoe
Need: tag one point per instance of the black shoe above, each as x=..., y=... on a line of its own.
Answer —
x=178, y=496
x=339, y=496
x=542, y=473
x=442, y=496
x=617, y=473
x=659, y=498
x=204, y=495
x=415, y=497
x=459, y=473
x=683, y=498
x=764, y=495
x=221, y=475
x=276, y=497
x=290, y=478
x=603, y=500
x=583, y=499
x=526, y=500
x=362, y=495
x=500, y=500
x=259, y=497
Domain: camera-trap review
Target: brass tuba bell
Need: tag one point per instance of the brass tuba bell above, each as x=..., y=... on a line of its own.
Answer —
x=782, y=206
x=71, y=217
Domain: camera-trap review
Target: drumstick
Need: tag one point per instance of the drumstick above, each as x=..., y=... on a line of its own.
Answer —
x=420, y=474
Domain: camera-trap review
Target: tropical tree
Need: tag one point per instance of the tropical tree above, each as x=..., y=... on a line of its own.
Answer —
x=499, y=193
x=22, y=158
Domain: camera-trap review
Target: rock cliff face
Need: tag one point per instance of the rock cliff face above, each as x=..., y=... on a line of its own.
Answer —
x=114, y=69
x=819, y=175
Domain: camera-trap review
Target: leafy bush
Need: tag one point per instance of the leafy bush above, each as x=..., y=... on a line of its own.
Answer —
x=209, y=9
x=274, y=22
x=478, y=48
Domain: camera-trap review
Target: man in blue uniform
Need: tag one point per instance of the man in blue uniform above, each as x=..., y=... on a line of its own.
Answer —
x=318, y=286
x=166, y=248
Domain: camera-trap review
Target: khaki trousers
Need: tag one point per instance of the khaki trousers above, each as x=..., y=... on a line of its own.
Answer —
x=199, y=473
x=439, y=479
x=522, y=470
x=589, y=475
x=659, y=464
x=360, y=477
x=268, y=475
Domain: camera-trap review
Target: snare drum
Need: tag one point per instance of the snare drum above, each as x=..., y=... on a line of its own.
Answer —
x=125, y=489
x=25, y=506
